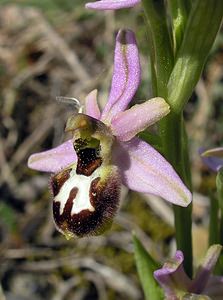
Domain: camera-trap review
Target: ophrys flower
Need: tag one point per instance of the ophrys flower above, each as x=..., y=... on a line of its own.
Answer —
x=89, y=168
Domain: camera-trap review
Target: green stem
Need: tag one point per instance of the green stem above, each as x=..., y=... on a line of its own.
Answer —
x=176, y=81
x=175, y=148
x=172, y=127
x=199, y=34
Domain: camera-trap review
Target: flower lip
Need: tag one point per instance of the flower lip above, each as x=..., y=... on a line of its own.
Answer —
x=79, y=213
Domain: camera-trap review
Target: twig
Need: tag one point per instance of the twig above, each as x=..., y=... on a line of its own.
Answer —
x=38, y=134
x=27, y=253
x=6, y=172
x=2, y=296
x=113, y=278
x=161, y=209
x=60, y=45
x=98, y=282
x=63, y=287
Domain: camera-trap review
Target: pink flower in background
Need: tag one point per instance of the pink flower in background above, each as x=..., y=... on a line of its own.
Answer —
x=177, y=285
x=111, y=4
x=105, y=152
x=213, y=158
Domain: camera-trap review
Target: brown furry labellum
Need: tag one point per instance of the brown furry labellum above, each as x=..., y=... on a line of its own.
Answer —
x=86, y=194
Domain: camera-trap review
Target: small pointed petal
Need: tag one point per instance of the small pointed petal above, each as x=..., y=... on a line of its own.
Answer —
x=214, y=163
x=111, y=4
x=126, y=74
x=214, y=287
x=130, y=122
x=172, y=277
x=91, y=105
x=212, y=158
x=217, y=152
x=53, y=160
x=143, y=169
x=206, y=268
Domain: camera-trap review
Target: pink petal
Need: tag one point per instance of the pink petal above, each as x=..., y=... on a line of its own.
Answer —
x=53, y=160
x=140, y=117
x=213, y=158
x=214, y=163
x=214, y=287
x=111, y=4
x=206, y=268
x=172, y=277
x=91, y=105
x=217, y=152
x=143, y=169
x=126, y=74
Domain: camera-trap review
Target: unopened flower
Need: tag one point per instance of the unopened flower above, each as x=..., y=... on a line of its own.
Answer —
x=89, y=168
x=111, y=4
x=178, y=286
x=213, y=158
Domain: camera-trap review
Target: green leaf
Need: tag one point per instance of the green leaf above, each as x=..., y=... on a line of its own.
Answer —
x=7, y=216
x=161, y=50
x=201, y=29
x=179, y=13
x=145, y=267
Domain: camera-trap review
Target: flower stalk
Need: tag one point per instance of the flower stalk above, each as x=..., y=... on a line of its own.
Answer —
x=175, y=149
x=171, y=128
x=214, y=221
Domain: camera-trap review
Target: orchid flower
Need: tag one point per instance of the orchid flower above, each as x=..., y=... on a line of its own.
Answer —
x=213, y=158
x=111, y=4
x=104, y=151
x=177, y=285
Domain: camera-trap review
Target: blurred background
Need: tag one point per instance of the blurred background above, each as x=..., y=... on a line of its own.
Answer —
x=56, y=47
